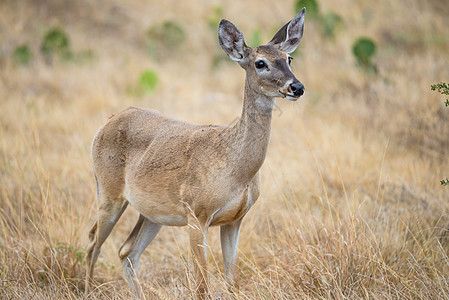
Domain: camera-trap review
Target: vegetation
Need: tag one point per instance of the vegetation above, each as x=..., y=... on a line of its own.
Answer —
x=148, y=80
x=215, y=18
x=351, y=205
x=363, y=50
x=56, y=43
x=441, y=88
x=255, y=39
x=165, y=36
x=312, y=7
x=22, y=55
x=329, y=23
x=146, y=84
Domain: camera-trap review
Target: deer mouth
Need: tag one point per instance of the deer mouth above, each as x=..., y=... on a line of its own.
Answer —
x=289, y=96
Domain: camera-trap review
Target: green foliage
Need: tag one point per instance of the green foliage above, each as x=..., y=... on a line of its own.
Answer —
x=219, y=59
x=330, y=23
x=215, y=19
x=148, y=80
x=363, y=50
x=441, y=88
x=256, y=38
x=62, y=260
x=65, y=250
x=83, y=56
x=56, y=43
x=22, y=55
x=312, y=7
x=164, y=36
x=146, y=84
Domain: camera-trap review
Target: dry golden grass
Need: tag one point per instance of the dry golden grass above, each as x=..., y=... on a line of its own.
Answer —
x=351, y=205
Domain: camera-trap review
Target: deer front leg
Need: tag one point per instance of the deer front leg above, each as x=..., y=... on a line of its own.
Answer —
x=198, y=247
x=229, y=236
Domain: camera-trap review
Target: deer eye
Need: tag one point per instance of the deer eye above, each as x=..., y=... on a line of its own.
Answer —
x=290, y=59
x=260, y=64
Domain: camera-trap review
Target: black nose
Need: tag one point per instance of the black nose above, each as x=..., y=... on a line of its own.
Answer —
x=297, y=89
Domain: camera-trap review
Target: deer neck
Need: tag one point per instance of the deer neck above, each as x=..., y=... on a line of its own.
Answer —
x=251, y=134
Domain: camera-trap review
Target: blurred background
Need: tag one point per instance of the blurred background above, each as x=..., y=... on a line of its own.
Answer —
x=353, y=199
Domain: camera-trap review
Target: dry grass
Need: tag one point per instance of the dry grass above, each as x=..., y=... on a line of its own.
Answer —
x=351, y=205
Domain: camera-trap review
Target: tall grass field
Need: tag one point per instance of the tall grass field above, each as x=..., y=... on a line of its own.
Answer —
x=352, y=203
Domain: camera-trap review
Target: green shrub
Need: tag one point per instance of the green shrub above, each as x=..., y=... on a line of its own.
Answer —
x=148, y=81
x=330, y=23
x=214, y=20
x=255, y=39
x=363, y=50
x=22, y=55
x=84, y=56
x=56, y=43
x=146, y=84
x=312, y=7
x=164, y=37
x=441, y=88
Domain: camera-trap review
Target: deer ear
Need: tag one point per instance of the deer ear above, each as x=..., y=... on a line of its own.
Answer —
x=289, y=36
x=231, y=40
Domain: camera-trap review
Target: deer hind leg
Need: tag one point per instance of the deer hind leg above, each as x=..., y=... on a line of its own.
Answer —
x=110, y=210
x=141, y=236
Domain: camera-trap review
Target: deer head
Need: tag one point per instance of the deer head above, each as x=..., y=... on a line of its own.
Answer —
x=267, y=67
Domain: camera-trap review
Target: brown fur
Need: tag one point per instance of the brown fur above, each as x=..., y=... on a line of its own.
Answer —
x=177, y=173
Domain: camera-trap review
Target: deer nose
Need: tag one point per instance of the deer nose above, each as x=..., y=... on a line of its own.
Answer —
x=297, y=89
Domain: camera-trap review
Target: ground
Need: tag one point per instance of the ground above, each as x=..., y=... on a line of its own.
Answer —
x=351, y=203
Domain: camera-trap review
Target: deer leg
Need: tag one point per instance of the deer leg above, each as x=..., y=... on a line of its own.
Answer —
x=198, y=246
x=229, y=236
x=109, y=212
x=143, y=233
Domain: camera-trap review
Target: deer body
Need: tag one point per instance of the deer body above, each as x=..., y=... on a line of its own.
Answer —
x=164, y=164
x=176, y=173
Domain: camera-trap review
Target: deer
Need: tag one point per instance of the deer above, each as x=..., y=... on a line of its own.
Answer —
x=176, y=173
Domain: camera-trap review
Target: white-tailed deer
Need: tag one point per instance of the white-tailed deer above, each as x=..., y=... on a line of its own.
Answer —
x=176, y=173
